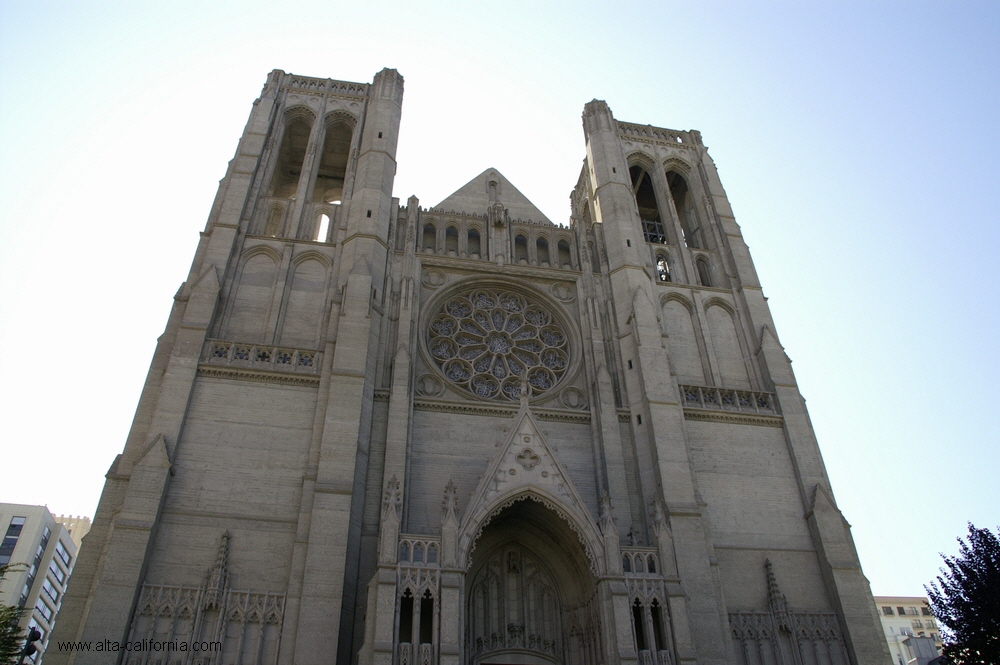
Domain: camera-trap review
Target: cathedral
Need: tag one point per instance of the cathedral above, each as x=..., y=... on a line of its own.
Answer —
x=380, y=433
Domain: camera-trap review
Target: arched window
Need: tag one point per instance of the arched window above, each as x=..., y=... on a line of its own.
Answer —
x=451, y=239
x=430, y=237
x=542, y=250
x=404, y=551
x=426, y=618
x=329, y=183
x=418, y=553
x=662, y=268
x=273, y=225
x=521, y=249
x=474, y=245
x=322, y=227
x=627, y=563
x=638, y=565
x=639, y=625
x=685, y=210
x=595, y=258
x=406, y=618
x=564, y=259
x=645, y=201
x=401, y=235
x=432, y=553
x=657, y=617
x=285, y=179
x=651, y=564
x=704, y=274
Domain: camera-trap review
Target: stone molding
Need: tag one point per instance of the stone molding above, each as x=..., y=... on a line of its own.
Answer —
x=558, y=415
x=257, y=376
x=733, y=418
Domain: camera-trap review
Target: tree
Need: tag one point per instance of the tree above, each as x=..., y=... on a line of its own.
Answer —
x=10, y=632
x=966, y=600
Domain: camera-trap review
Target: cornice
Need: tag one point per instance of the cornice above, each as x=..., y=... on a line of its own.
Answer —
x=256, y=376
x=733, y=418
x=558, y=415
x=487, y=266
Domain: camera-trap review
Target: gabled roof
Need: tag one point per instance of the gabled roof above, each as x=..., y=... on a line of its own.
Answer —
x=475, y=197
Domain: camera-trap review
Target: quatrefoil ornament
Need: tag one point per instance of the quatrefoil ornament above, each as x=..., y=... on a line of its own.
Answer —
x=528, y=459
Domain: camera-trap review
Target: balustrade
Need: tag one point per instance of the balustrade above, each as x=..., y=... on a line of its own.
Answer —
x=749, y=401
x=261, y=357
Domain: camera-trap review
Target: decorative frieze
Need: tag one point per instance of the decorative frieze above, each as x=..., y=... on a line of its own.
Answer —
x=724, y=399
x=261, y=357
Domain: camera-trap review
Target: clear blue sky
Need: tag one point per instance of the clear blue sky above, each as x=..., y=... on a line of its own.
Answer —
x=856, y=142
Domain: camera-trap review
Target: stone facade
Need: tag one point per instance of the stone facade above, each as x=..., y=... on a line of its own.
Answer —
x=379, y=433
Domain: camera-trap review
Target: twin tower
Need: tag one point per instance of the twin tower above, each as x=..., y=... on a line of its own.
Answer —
x=379, y=433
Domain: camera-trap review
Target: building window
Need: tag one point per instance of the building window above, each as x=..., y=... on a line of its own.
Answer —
x=50, y=591
x=901, y=611
x=430, y=237
x=10, y=539
x=63, y=554
x=474, y=247
x=887, y=611
x=44, y=610
x=912, y=611
x=705, y=277
x=662, y=268
x=57, y=572
x=926, y=611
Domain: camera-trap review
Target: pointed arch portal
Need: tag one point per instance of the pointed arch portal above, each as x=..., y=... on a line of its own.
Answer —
x=530, y=592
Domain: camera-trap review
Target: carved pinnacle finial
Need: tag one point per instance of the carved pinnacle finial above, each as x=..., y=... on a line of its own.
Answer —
x=775, y=599
x=392, y=499
x=218, y=575
x=449, y=505
x=607, y=518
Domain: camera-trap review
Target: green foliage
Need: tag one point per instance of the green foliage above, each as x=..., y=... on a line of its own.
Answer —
x=11, y=636
x=966, y=600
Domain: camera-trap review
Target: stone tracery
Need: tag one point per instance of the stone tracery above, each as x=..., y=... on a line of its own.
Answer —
x=491, y=342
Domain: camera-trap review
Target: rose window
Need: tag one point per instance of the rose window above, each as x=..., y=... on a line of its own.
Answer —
x=488, y=342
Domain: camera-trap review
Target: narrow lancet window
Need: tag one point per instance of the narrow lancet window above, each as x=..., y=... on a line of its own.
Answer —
x=645, y=201
x=684, y=206
x=662, y=268
x=639, y=624
x=542, y=250
x=451, y=239
x=564, y=259
x=521, y=249
x=285, y=180
x=430, y=238
x=427, y=618
x=704, y=274
x=329, y=187
x=474, y=246
x=322, y=227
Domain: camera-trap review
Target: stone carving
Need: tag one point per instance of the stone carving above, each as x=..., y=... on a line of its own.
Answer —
x=433, y=278
x=487, y=341
x=785, y=637
x=563, y=291
x=573, y=398
x=392, y=500
x=428, y=385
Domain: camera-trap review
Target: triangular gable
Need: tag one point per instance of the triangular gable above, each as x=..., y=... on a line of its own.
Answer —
x=475, y=197
x=525, y=468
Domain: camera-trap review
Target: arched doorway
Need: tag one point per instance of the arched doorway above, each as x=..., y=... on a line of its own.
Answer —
x=530, y=592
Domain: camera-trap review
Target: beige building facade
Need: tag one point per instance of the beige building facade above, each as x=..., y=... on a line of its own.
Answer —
x=374, y=432
x=43, y=556
x=904, y=617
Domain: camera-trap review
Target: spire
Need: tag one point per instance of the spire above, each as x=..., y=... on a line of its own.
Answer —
x=218, y=575
x=776, y=600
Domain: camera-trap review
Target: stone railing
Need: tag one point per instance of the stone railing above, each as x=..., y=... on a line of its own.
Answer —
x=327, y=85
x=264, y=357
x=656, y=133
x=724, y=399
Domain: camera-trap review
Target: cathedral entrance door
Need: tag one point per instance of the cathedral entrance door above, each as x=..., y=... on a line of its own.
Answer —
x=530, y=592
